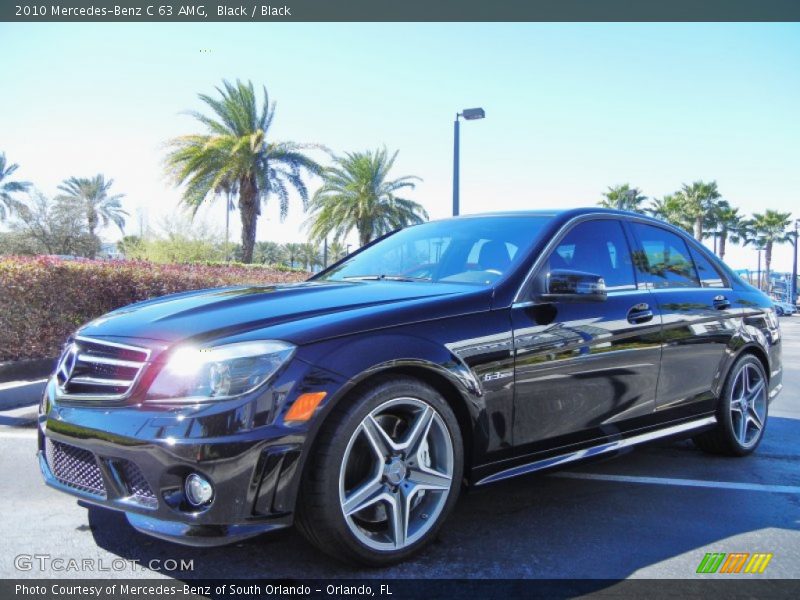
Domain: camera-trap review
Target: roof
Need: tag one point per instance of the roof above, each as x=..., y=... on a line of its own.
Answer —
x=553, y=212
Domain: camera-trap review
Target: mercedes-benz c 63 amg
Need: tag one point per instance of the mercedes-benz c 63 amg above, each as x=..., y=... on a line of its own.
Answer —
x=358, y=403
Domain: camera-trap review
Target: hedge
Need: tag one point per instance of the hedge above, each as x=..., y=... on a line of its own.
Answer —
x=44, y=299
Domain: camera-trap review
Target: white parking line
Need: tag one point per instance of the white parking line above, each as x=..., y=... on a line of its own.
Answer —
x=729, y=485
x=17, y=434
x=10, y=385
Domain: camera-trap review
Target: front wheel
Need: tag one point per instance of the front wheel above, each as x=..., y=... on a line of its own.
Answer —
x=385, y=473
x=742, y=411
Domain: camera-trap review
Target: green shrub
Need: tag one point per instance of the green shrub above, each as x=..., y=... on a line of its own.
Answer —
x=250, y=266
x=44, y=299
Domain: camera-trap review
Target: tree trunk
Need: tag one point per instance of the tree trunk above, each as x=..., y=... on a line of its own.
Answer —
x=92, y=219
x=248, y=208
x=767, y=264
x=364, y=236
x=723, y=238
x=698, y=229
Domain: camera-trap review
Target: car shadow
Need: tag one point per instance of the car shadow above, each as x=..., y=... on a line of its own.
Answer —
x=537, y=526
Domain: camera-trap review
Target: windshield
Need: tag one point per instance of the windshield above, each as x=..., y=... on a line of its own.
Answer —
x=471, y=250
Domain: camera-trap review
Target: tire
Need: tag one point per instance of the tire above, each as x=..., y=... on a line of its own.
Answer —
x=377, y=512
x=745, y=396
x=779, y=311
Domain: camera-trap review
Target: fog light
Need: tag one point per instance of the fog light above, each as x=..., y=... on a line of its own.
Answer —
x=199, y=490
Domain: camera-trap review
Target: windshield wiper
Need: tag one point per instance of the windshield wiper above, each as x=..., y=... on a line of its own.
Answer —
x=384, y=278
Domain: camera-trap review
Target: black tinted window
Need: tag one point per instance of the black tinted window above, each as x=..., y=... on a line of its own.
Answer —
x=597, y=247
x=666, y=261
x=709, y=275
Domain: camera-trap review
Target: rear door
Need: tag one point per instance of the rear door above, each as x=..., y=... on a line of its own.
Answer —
x=584, y=367
x=695, y=302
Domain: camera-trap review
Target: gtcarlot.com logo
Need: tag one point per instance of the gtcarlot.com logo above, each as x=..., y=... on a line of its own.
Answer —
x=735, y=562
x=47, y=562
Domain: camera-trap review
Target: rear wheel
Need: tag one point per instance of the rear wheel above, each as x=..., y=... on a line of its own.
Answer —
x=385, y=473
x=742, y=412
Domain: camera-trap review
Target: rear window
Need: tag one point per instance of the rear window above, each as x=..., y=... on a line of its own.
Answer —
x=666, y=261
x=710, y=276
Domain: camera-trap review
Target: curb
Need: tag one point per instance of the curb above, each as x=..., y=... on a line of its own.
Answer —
x=21, y=417
x=21, y=370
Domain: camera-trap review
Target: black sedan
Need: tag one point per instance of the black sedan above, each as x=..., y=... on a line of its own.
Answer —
x=457, y=352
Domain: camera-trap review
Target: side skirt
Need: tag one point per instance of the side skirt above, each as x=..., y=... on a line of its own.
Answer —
x=604, y=448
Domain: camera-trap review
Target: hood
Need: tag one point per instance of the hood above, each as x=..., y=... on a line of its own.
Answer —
x=299, y=313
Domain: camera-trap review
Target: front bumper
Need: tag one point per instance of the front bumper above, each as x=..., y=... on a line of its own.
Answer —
x=136, y=460
x=249, y=488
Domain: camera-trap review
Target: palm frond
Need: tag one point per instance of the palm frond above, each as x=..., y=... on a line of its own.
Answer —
x=357, y=194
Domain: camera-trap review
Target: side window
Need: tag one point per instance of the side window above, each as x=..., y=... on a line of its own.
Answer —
x=598, y=247
x=665, y=261
x=710, y=277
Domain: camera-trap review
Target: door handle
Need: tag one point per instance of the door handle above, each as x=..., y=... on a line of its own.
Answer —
x=721, y=302
x=640, y=313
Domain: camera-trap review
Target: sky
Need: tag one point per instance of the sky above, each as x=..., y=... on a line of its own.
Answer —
x=570, y=108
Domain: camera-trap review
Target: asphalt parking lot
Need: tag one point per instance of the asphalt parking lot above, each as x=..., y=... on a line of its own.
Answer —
x=652, y=513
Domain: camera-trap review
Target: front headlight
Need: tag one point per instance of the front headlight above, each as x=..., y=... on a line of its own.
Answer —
x=195, y=373
x=772, y=319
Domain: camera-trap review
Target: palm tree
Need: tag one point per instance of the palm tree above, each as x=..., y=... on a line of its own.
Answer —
x=336, y=251
x=268, y=253
x=7, y=188
x=669, y=209
x=310, y=255
x=727, y=224
x=767, y=229
x=699, y=201
x=235, y=148
x=623, y=197
x=92, y=195
x=292, y=252
x=357, y=195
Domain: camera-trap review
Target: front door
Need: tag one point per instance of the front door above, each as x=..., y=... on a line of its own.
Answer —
x=582, y=368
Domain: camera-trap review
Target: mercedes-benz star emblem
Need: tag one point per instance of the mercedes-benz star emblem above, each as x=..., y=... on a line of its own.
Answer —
x=67, y=365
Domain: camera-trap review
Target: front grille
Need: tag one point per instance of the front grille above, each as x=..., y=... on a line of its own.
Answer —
x=75, y=467
x=94, y=369
x=136, y=483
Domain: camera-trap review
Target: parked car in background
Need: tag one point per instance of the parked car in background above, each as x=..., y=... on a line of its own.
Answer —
x=784, y=308
x=358, y=403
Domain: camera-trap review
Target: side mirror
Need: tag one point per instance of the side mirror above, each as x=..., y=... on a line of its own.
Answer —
x=574, y=286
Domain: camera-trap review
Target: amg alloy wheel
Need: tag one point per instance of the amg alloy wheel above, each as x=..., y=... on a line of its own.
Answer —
x=396, y=474
x=742, y=412
x=392, y=459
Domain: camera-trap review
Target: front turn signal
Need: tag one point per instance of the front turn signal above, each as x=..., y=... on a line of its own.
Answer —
x=304, y=406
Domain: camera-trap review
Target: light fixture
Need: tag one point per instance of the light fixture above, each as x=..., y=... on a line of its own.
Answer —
x=199, y=490
x=468, y=114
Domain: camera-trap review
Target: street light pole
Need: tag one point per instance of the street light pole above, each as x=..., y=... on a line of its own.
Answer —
x=469, y=114
x=456, y=127
x=759, y=269
x=228, y=204
x=793, y=287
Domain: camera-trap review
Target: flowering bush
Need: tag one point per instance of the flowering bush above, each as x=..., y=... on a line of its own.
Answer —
x=44, y=299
